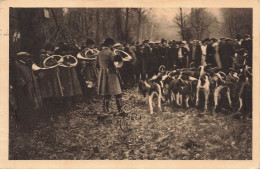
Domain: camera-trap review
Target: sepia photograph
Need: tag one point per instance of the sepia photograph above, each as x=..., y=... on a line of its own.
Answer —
x=130, y=83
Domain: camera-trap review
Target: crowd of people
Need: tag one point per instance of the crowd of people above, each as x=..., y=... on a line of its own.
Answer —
x=72, y=76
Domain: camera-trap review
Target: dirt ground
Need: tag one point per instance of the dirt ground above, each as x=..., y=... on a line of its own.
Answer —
x=174, y=134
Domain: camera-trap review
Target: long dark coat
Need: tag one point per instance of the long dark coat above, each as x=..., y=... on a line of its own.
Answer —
x=48, y=83
x=195, y=52
x=182, y=63
x=69, y=81
x=164, y=56
x=48, y=80
x=226, y=53
x=109, y=79
x=146, y=59
x=210, y=59
x=27, y=94
x=139, y=56
x=89, y=72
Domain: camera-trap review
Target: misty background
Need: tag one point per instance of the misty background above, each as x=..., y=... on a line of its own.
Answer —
x=35, y=27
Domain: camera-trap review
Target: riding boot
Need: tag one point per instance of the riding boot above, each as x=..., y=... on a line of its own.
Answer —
x=119, y=105
x=105, y=106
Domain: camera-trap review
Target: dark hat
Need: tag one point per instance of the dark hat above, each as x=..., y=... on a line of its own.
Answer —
x=109, y=41
x=206, y=40
x=146, y=41
x=89, y=42
x=214, y=39
x=222, y=38
x=238, y=36
x=163, y=40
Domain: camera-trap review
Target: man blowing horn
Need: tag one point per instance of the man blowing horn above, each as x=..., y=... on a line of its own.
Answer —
x=109, y=79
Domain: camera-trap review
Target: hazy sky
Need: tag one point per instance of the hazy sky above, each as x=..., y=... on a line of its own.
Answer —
x=165, y=16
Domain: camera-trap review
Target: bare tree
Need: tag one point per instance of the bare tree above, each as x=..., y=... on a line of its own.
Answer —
x=237, y=21
x=200, y=20
x=180, y=20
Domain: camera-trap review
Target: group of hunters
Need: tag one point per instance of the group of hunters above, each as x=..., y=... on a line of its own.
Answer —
x=35, y=91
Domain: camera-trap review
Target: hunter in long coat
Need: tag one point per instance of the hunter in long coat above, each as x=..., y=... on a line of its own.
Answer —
x=48, y=78
x=109, y=79
x=27, y=94
x=86, y=70
x=68, y=76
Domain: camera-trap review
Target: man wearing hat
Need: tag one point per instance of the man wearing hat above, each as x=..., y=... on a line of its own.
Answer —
x=164, y=54
x=109, y=79
x=195, y=52
x=27, y=94
x=182, y=55
x=147, y=51
x=88, y=72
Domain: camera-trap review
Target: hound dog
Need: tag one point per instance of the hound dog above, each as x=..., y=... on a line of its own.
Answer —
x=185, y=89
x=203, y=84
x=151, y=88
x=218, y=85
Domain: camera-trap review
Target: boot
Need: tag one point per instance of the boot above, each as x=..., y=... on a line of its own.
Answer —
x=119, y=105
x=106, y=106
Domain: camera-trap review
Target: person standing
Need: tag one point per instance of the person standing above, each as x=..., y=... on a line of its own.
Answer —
x=227, y=52
x=196, y=53
x=204, y=51
x=139, y=58
x=26, y=91
x=109, y=79
x=210, y=53
x=147, y=51
x=130, y=66
x=215, y=45
x=182, y=55
x=164, y=52
x=88, y=72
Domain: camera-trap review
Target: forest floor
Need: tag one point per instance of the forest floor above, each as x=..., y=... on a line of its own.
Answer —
x=173, y=134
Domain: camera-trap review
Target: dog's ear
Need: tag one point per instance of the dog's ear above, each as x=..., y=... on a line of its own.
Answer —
x=207, y=67
x=200, y=68
x=230, y=70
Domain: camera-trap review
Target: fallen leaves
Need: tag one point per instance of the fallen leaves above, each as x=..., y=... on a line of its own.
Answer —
x=175, y=134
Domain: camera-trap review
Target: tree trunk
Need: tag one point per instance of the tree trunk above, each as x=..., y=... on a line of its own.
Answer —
x=139, y=24
x=182, y=26
x=98, y=26
x=126, y=24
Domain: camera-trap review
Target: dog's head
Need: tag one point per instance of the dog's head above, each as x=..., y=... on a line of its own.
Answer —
x=204, y=69
x=143, y=87
x=184, y=84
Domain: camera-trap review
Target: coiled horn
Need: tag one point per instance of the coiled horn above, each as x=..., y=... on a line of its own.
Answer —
x=52, y=61
x=91, y=53
x=69, y=61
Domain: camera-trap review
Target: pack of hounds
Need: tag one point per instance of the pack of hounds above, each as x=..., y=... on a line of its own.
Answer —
x=205, y=87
